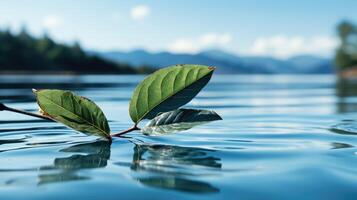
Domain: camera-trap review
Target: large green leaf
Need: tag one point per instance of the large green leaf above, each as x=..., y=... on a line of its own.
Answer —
x=168, y=89
x=74, y=111
x=179, y=120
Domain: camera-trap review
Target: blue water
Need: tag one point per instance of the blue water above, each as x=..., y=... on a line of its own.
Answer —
x=281, y=137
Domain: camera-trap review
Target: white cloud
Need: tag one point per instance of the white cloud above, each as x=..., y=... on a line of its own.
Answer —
x=183, y=45
x=193, y=45
x=52, y=22
x=140, y=12
x=282, y=46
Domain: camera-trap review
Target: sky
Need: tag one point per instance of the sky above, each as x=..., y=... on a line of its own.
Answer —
x=277, y=28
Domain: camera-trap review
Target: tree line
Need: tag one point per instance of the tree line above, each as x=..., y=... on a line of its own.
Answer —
x=22, y=52
x=346, y=54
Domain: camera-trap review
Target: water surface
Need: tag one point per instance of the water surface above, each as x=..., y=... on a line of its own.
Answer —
x=282, y=137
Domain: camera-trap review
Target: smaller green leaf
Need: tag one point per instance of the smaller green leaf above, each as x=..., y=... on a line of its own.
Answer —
x=179, y=120
x=76, y=112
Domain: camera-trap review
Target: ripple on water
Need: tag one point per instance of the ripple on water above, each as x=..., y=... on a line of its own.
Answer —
x=283, y=137
x=348, y=128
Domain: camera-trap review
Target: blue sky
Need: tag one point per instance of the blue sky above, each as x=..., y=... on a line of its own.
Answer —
x=278, y=28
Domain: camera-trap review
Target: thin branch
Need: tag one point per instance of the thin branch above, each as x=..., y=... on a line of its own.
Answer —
x=5, y=108
x=126, y=131
x=2, y=107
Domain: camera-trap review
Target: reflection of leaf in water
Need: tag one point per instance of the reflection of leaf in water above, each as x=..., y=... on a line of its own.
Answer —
x=346, y=88
x=339, y=145
x=98, y=153
x=152, y=157
x=11, y=141
x=179, y=184
x=175, y=165
x=60, y=177
x=179, y=120
x=348, y=128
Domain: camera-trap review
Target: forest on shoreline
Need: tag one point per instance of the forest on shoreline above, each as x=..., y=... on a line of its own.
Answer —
x=24, y=53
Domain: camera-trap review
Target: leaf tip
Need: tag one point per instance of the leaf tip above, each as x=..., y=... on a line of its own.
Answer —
x=218, y=116
x=211, y=68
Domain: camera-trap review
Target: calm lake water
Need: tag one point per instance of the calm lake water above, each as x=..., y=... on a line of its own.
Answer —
x=281, y=137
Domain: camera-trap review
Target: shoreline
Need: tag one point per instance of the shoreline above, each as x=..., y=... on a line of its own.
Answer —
x=348, y=73
x=62, y=73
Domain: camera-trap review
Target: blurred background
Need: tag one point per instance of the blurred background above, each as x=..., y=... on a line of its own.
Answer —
x=285, y=86
x=132, y=37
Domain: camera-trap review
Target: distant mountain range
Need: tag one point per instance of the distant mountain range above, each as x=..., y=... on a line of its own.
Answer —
x=226, y=62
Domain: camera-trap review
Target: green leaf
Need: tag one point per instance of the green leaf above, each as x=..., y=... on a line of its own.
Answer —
x=74, y=111
x=184, y=115
x=179, y=120
x=168, y=89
